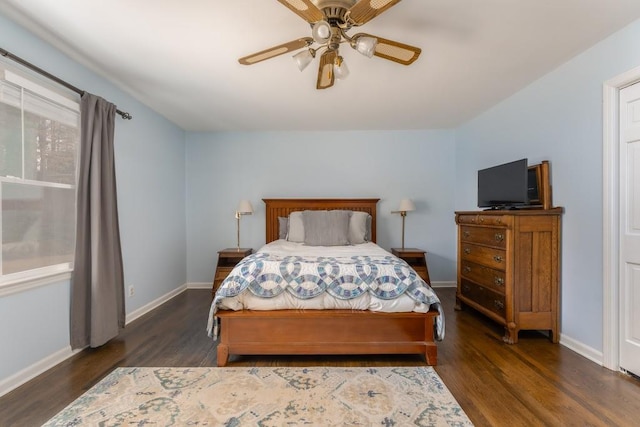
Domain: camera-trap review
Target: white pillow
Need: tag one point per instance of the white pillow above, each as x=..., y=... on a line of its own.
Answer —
x=296, y=228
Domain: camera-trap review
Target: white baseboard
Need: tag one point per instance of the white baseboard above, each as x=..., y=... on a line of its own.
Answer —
x=154, y=304
x=582, y=349
x=443, y=284
x=30, y=372
x=572, y=344
x=199, y=285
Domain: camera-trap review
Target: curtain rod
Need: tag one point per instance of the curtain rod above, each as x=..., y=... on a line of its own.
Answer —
x=58, y=80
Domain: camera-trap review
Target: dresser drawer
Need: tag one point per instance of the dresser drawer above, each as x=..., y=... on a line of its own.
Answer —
x=484, y=236
x=484, y=219
x=494, y=220
x=467, y=219
x=488, y=299
x=490, y=257
x=485, y=276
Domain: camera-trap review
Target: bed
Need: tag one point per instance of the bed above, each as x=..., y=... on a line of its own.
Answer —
x=337, y=330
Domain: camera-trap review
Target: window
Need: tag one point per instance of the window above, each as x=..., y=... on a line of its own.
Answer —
x=39, y=142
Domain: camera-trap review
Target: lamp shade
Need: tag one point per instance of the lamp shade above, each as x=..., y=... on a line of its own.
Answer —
x=340, y=69
x=303, y=58
x=406, y=205
x=366, y=45
x=321, y=32
x=245, y=207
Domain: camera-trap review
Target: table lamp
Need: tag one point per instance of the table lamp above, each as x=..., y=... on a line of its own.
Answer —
x=406, y=205
x=244, y=208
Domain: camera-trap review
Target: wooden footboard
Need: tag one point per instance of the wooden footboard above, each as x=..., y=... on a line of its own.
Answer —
x=309, y=332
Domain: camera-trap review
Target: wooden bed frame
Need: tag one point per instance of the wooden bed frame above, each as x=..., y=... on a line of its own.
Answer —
x=310, y=332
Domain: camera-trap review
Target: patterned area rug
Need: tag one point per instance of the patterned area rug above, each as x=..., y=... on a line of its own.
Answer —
x=318, y=396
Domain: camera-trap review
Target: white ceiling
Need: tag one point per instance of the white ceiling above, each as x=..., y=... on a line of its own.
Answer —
x=180, y=57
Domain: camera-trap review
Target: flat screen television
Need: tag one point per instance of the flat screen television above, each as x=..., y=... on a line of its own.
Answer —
x=504, y=186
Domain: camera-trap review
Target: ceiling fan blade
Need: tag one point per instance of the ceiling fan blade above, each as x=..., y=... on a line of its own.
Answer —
x=394, y=51
x=365, y=10
x=325, y=71
x=304, y=9
x=276, y=50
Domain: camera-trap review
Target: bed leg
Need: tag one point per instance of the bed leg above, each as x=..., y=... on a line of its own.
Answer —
x=431, y=354
x=223, y=355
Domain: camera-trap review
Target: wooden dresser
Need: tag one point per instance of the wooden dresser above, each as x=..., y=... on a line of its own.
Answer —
x=509, y=267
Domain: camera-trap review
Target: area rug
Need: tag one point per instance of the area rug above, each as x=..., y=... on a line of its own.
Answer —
x=274, y=396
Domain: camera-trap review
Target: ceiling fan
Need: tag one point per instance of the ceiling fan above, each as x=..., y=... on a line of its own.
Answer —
x=330, y=20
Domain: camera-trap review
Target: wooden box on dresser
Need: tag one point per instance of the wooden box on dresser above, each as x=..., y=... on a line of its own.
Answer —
x=509, y=267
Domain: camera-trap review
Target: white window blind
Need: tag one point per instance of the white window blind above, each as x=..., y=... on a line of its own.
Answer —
x=39, y=142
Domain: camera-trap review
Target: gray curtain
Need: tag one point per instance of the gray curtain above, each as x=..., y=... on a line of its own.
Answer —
x=97, y=281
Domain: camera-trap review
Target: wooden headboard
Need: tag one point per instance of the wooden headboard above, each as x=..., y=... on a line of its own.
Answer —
x=283, y=207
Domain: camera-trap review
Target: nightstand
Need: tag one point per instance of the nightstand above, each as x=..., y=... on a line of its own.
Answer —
x=227, y=259
x=416, y=258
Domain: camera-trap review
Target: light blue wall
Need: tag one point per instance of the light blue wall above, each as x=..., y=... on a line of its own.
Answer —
x=33, y=326
x=559, y=118
x=150, y=158
x=223, y=168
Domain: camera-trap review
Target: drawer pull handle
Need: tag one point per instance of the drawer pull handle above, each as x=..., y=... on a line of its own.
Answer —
x=481, y=219
x=499, y=237
x=497, y=258
x=467, y=269
x=499, y=281
x=467, y=251
x=466, y=288
x=498, y=304
x=466, y=234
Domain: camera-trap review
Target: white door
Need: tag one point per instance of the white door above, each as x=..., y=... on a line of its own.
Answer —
x=630, y=229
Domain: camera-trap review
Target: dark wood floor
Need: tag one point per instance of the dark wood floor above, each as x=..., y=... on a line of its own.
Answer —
x=531, y=383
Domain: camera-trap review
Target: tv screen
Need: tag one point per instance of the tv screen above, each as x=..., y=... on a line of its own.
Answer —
x=503, y=185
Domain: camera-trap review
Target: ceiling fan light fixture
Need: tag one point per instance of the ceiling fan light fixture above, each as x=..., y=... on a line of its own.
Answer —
x=366, y=45
x=321, y=32
x=340, y=69
x=330, y=21
x=304, y=58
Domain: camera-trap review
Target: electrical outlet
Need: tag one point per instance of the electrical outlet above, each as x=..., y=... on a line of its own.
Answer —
x=131, y=290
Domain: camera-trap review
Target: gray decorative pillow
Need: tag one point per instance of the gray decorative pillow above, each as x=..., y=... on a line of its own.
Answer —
x=326, y=228
x=296, y=228
x=283, y=227
x=358, y=227
x=367, y=236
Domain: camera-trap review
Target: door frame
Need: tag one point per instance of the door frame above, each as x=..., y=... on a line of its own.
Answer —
x=611, y=216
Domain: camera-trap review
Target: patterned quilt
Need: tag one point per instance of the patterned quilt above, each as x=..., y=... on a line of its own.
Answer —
x=267, y=275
